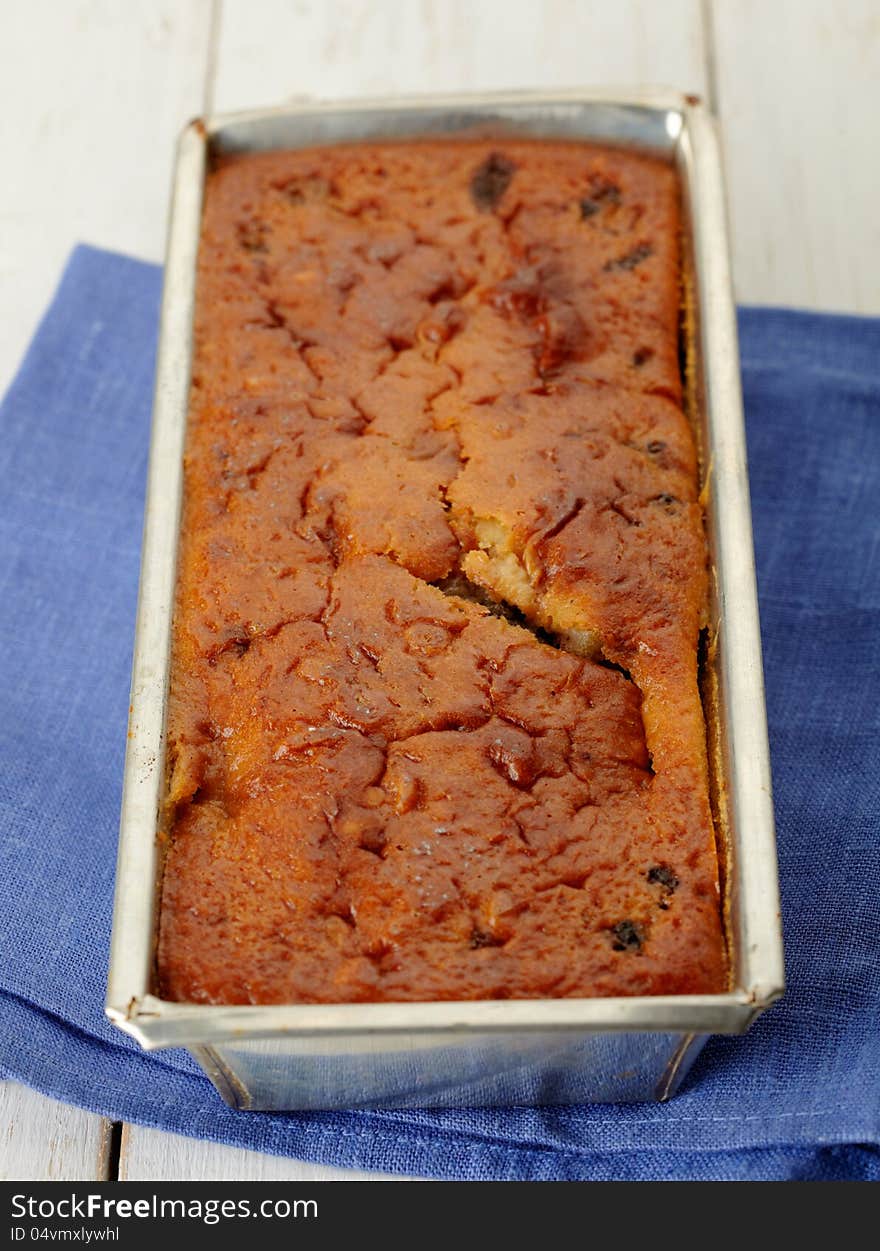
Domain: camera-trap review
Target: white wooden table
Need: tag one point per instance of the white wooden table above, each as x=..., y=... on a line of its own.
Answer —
x=95, y=92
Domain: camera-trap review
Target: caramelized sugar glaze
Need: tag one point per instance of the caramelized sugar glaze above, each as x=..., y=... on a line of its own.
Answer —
x=435, y=730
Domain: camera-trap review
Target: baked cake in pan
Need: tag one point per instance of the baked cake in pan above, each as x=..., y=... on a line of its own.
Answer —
x=435, y=729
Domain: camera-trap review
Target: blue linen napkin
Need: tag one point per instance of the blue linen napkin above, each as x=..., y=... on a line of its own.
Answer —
x=798, y=1097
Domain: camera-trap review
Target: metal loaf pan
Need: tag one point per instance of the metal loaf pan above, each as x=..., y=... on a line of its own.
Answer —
x=488, y=1052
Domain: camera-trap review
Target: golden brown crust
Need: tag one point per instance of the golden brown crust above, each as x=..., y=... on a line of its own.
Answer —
x=434, y=729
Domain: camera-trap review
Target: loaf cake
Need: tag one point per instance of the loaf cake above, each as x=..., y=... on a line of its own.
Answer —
x=434, y=728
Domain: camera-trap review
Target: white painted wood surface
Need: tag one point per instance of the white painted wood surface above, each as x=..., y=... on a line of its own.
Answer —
x=42, y=1140
x=798, y=90
x=96, y=91
x=378, y=47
